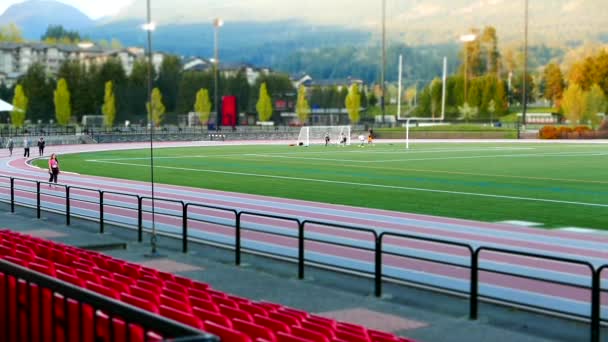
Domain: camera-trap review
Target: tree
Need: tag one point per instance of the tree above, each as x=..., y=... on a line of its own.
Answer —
x=475, y=92
x=596, y=103
x=63, y=107
x=574, y=103
x=109, y=105
x=489, y=92
x=20, y=103
x=80, y=81
x=554, y=83
x=435, y=92
x=302, y=106
x=57, y=33
x=157, y=113
x=202, y=106
x=39, y=91
x=239, y=87
x=11, y=34
x=467, y=112
x=353, y=103
x=410, y=95
x=500, y=98
x=137, y=86
x=489, y=45
x=169, y=77
x=188, y=85
x=264, y=104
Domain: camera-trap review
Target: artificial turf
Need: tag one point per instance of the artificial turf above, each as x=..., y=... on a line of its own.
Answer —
x=557, y=185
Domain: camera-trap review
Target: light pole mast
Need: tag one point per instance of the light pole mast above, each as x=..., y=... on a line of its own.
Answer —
x=149, y=27
x=217, y=23
x=383, y=70
x=525, y=80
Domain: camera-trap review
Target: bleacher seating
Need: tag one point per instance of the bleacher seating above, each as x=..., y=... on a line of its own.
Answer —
x=194, y=303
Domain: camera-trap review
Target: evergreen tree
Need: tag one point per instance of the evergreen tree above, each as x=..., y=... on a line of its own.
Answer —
x=63, y=107
x=169, y=78
x=39, y=91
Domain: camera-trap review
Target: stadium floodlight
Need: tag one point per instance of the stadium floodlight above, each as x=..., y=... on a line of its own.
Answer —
x=85, y=45
x=467, y=38
x=316, y=135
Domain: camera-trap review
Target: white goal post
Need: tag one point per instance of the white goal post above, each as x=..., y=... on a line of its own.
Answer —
x=317, y=134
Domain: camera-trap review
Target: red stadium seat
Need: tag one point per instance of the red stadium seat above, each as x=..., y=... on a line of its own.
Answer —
x=254, y=331
x=309, y=334
x=64, y=269
x=70, y=278
x=154, y=280
x=287, y=319
x=176, y=304
x=253, y=310
x=206, y=315
x=139, y=302
x=234, y=313
x=351, y=336
x=149, y=286
x=284, y=337
x=124, y=279
x=88, y=276
x=272, y=324
x=132, y=270
x=177, y=287
x=225, y=333
x=180, y=296
x=145, y=294
x=224, y=301
x=325, y=331
x=293, y=312
x=194, y=293
x=106, y=291
x=166, y=276
x=204, y=304
x=114, y=284
x=186, y=282
x=44, y=269
x=181, y=316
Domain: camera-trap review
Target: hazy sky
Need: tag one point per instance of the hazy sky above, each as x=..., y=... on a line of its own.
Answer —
x=93, y=8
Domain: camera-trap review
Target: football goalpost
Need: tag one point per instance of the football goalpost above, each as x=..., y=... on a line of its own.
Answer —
x=409, y=118
x=317, y=134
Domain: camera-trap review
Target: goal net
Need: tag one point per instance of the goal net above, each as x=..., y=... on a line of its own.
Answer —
x=317, y=134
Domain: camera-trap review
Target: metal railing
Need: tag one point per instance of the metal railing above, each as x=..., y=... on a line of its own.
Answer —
x=183, y=212
x=36, y=307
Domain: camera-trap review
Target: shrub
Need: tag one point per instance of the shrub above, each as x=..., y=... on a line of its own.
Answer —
x=604, y=125
x=548, y=132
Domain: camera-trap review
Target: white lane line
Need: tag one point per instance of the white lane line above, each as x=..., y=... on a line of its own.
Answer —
x=369, y=185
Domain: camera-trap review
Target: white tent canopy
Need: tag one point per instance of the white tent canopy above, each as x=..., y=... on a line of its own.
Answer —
x=5, y=107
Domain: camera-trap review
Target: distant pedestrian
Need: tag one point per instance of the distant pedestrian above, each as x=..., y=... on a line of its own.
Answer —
x=10, y=145
x=53, y=169
x=41, y=144
x=26, y=147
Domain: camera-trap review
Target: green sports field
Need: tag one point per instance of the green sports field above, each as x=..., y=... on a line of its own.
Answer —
x=558, y=185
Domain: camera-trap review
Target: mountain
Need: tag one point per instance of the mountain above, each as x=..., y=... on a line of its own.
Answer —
x=411, y=21
x=34, y=16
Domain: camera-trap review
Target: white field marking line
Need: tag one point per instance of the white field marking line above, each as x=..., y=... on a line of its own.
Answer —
x=554, y=154
x=369, y=185
x=376, y=151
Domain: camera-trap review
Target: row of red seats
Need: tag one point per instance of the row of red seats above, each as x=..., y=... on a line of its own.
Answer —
x=182, y=299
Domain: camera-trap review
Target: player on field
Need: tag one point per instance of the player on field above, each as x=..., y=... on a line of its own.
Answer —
x=326, y=138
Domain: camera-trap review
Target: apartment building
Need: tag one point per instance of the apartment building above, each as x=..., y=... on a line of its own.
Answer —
x=16, y=58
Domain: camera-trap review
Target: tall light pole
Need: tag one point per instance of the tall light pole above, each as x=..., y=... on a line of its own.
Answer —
x=149, y=27
x=217, y=23
x=525, y=80
x=383, y=71
x=466, y=38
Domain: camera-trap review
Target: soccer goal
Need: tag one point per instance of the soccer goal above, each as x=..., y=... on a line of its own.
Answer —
x=316, y=135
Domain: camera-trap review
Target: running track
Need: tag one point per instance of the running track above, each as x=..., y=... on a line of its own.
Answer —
x=591, y=247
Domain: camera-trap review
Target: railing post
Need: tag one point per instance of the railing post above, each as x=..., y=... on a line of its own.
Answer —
x=595, y=305
x=38, y=199
x=184, y=228
x=67, y=205
x=140, y=220
x=378, y=266
x=301, y=249
x=12, y=195
x=237, y=240
x=474, y=285
x=101, y=228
